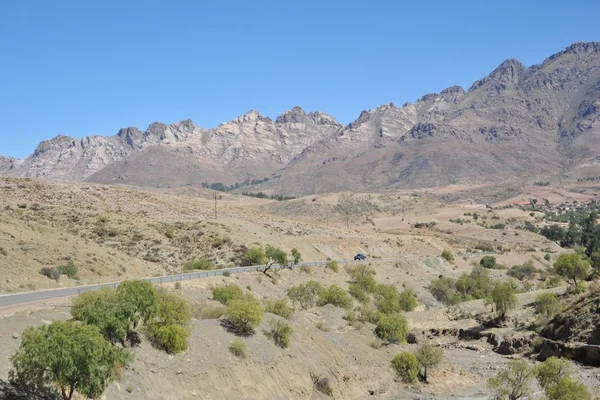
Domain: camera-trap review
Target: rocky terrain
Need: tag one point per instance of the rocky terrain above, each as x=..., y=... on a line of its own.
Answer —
x=518, y=124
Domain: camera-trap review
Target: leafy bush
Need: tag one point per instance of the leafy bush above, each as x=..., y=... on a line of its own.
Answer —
x=171, y=338
x=547, y=304
x=392, y=328
x=336, y=296
x=50, y=272
x=408, y=300
x=279, y=307
x=359, y=293
x=447, y=255
x=244, y=315
x=194, y=265
x=428, y=357
x=488, y=262
x=254, y=256
x=281, y=333
x=551, y=370
x=406, y=366
x=360, y=270
x=213, y=312
x=568, y=389
x=524, y=271
x=238, y=348
x=443, y=289
x=224, y=294
x=305, y=294
x=69, y=269
x=476, y=285
x=333, y=265
x=547, y=257
x=387, y=299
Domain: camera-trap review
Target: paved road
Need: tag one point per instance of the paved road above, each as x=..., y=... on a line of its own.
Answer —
x=26, y=297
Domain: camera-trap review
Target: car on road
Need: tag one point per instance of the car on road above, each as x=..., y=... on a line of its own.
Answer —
x=360, y=256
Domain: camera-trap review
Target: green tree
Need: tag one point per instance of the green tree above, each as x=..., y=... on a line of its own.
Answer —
x=595, y=260
x=571, y=266
x=406, y=366
x=274, y=255
x=408, y=300
x=551, y=370
x=547, y=304
x=514, y=382
x=387, y=299
x=254, y=256
x=244, y=315
x=336, y=296
x=392, y=328
x=503, y=298
x=568, y=389
x=429, y=357
x=590, y=234
x=305, y=294
x=63, y=358
x=140, y=297
x=296, y=256
x=169, y=329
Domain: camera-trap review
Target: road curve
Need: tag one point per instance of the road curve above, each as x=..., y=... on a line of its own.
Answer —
x=27, y=297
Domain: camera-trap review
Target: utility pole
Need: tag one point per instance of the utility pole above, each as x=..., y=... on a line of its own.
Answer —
x=215, y=205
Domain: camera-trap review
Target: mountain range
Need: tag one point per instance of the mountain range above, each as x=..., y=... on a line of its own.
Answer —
x=515, y=124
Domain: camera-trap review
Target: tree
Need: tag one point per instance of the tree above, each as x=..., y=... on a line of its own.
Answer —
x=296, y=256
x=547, y=304
x=550, y=371
x=140, y=297
x=244, y=315
x=63, y=358
x=387, y=299
x=406, y=366
x=595, y=260
x=169, y=328
x=571, y=266
x=590, y=234
x=514, y=382
x=254, y=256
x=305, y=294
x=274, y=255
x=392, y=328
x=568, y=389
x=503, y=298
x=429, y=357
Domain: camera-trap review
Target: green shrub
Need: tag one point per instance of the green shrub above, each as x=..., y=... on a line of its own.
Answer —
x=170, y=233
x=213, y=312
x=504, y=299
x=514, y=382
x=568, y=389
x=359, y=293
x=279, y=307
x=447, y=255
x=571, y=266
x=406, y=366
x=224, y=294
x=363, y=276
x=547, y=304
x=226, y=274
x=171, y=338
x=524, y=271
x=305, y=294
x=244, y=315
x=336, y=296
x=392, y=328
x=281, y=333
x=387, y=299
x=51, y=273
x=194, y=265
x=254, y=256
x=551, y=370
x=238, y=348
x=408, y=300
x=69, y=269
x=333, y=265
x=547, y=257
x=296, y=256
x=443, y=289
x=488, y=262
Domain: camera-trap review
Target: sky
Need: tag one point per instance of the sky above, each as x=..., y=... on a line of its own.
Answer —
x=79, y=68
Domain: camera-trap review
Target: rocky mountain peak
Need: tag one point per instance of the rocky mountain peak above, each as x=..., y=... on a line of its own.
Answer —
x=296, y=115
x=60, y=142
x=320, y=118
x=363, y=117
x=507, y=73
x=251, y=116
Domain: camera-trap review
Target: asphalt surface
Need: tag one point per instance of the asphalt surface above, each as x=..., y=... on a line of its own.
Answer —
x=28, y=297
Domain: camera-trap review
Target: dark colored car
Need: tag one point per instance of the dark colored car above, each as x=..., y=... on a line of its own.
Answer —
x=360, y=256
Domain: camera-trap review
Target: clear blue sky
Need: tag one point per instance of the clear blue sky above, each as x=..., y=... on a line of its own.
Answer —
x=90, y=67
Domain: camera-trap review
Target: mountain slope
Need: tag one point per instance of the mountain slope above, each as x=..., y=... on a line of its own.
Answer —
x=516, y=124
